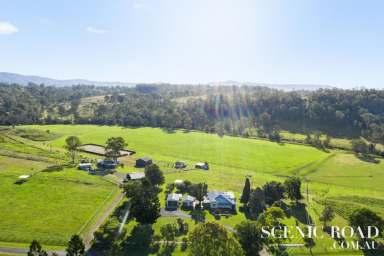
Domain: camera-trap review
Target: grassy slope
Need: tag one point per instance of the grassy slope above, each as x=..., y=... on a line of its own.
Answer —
x=232, y=159
x=253, y=155
x=50, y=206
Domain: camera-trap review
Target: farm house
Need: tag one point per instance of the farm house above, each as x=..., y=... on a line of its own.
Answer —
x=220, y=200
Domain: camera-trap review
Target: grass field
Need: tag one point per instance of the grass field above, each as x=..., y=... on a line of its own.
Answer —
x=50, y=206
x=337, y=177
x=254, y=155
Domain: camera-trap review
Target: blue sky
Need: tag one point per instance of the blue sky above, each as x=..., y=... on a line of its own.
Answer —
x=333, y=42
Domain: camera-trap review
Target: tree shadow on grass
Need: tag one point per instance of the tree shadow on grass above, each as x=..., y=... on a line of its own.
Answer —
x=299, y=211
x=132, y=250
x=379, y=251
x=168, y=130
x=368, y=159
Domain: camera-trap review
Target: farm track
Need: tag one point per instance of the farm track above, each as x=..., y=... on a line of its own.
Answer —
x=31, y=144
x=88, y=237
x=312, y=166
x=25, y=156
x=22, y=251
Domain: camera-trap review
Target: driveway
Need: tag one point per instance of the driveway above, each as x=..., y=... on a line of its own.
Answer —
x=23, y=251
x=176, y=213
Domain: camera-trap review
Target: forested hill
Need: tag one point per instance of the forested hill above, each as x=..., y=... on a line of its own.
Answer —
x=217, y=109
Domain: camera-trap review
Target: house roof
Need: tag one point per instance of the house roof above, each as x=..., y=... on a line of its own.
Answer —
x=136, y=176
x=85, y=164
x=174, y=197
x=227, y=195
x=188, y=198
x=24, y=176
x=146, y=159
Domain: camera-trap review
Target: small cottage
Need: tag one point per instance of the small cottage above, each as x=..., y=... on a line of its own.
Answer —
x=173, y=201
x=142, y=162
x=188, y=202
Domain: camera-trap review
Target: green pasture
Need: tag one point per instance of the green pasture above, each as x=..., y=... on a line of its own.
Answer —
x=50, y=206
x=336, y=177
x=254, y=155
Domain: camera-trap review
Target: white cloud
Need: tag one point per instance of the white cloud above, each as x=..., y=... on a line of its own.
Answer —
x=96, y=30
x=7, y=28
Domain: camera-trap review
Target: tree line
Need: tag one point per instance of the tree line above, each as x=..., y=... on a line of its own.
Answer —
x=217, y=109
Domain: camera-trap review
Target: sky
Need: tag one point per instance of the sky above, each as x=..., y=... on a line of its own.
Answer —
x=327, y=42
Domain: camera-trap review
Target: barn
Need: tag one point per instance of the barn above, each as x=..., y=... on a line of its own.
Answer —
x=144, y=161
x=135, y=176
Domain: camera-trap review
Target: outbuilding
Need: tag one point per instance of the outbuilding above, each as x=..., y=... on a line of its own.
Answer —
x=135, y=176
x=142, y=162
x=180, y=165
x=173, y=201
x=188, y=202
x=106, y=164
x=85, y=166
x=203, y=166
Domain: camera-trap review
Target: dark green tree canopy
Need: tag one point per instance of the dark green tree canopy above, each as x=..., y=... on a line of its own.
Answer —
x=363, y=218
x=212, y=239
x=154, y=175
x=292, y=187
x=249, y=235
x=35, y=249
x=145, y=204
x=75, y=246
x=113, y=147
x=246, y=192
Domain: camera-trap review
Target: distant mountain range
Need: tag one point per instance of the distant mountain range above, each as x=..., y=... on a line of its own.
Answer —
x=285, y=87
x=13, y=78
